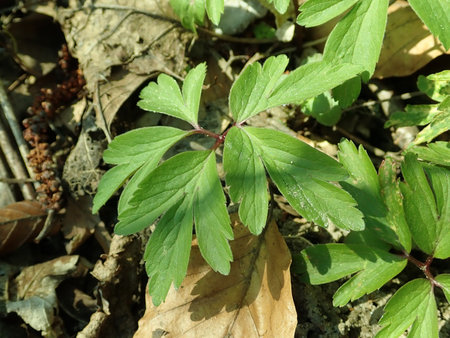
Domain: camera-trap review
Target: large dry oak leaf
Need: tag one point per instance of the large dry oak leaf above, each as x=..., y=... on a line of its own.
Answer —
x=254, y=300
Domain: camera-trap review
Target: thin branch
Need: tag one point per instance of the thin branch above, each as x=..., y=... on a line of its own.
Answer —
x=15, y=162
x=16, y=180
x=15, y=128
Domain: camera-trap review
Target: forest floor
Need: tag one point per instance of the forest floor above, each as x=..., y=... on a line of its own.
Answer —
x=78, y=277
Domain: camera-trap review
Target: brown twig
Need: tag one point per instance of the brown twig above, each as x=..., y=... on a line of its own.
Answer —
x=15, y=163
x=15, y=128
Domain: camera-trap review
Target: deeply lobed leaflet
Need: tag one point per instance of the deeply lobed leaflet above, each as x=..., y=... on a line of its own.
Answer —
x=185, y=190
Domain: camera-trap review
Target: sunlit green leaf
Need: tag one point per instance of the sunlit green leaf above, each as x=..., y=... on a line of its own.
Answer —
x=317, y=12
x=246, y=177
x=440, y=182
x=214, y=8
x=358, y=37
x=436, y=86
x=130, y=151
x=191, y=12
x=364, y=186
x=393, y=200
x=300, y=173
x=436, y=152
x=413, y=304
x=444, y=281
x=310, y=80
x=323, y=108
x=280, y=5
x=420, y=205
x=250, y=92
x=414, y=115
x=373, y=276
x=439, y=125
x=324, y=263
x=212, y=223
x=165, y=96
x=347, y=93
x=435, y=15
x=187, y=188
x=168, y=249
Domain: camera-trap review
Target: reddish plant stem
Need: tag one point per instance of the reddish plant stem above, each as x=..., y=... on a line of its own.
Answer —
x=425, y=267
x=220, y=138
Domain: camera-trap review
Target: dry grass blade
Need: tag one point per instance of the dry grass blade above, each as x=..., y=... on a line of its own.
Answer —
x=20, y=222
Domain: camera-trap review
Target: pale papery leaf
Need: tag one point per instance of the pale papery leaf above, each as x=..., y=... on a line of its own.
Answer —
x=255, y=299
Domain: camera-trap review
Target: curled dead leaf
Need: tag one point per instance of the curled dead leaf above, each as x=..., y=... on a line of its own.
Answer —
x=19, y=223
x=254, y=300
x=32, y=294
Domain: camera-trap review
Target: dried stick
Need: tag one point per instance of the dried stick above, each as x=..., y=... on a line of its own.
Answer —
x=15, y=128
x=15, y=163
x=13, y=160
x=7, y=194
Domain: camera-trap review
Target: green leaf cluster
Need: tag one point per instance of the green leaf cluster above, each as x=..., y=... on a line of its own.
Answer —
x=357, y=38
x=192, y=12
x=399, y=215
x=185, y=193
x=436, y=117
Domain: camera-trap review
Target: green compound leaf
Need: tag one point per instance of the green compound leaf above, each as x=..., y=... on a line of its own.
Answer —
x=188, y=186
x=358, y=37
x=413, y=304
x=439, y=125
x=347, y=93
x=436, y=16
x=436, y=152
x=167, y=252
x=436, y=86
x=444, y=281
x=165, y=96
x=364, y=186
x=317, y=12
x=214, y=8
x=191, y=12
x=414, y=115
x=310, y=80
x=212, y=223
x=300, y=173
x=372, y=277
x=323, y=108
x=130, y=151
x=259, y=88
x=422, y=213
x=324, y=263
x=246, y=177
x=440, y=182
x=160, y=190
x=437, y=116
x=250, y=92
x=280, y=5
x=393, y=200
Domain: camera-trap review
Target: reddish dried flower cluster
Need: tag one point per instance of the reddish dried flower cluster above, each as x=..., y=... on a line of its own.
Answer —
x=37, y=131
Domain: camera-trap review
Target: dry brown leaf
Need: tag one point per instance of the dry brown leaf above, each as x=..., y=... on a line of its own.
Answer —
x=20, y=222
x=115, y=33
x=79, y=223
x=254, y=300
x=33, y=292
x=115, y=92
x=408, y=45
